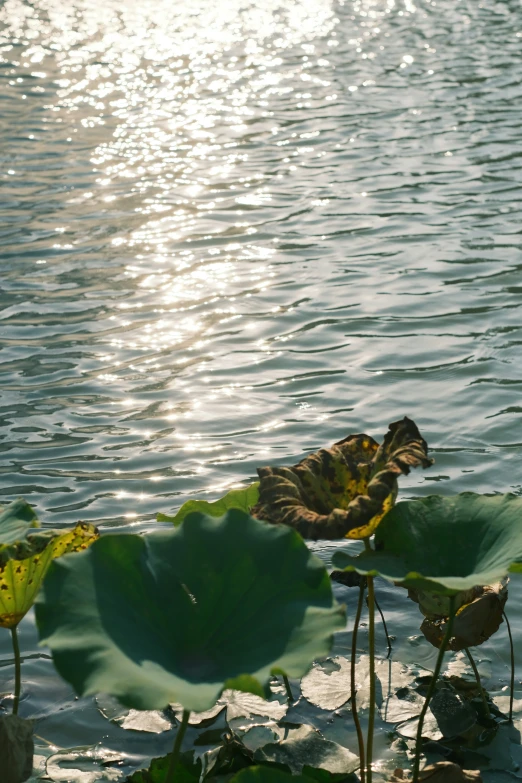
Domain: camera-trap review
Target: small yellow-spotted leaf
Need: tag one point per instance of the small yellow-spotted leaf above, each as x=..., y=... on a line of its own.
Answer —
x=24, y=561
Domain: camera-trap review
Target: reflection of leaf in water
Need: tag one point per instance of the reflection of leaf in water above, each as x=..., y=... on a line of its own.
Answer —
x=306, y=747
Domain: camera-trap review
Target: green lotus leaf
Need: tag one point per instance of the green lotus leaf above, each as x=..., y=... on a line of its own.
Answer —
x=15, y=521
x=445, y=544
x=244, y=498
x=180, y=614
x=343, y=491
x=268, y=775
x=25, y=557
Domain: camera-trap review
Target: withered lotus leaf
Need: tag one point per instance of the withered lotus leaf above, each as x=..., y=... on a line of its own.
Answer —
x=26, y=552
x=343, y=491
x=474, y=622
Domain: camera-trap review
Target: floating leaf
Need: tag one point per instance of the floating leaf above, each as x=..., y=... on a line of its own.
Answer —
x=83, y=765
x=305, y=746
x=25, y=557
x=445, y=544
x=16, y=749
x=327, y=684
x=152, y=721
x=244, y=499
x=180, y=614
x=344, y=490
x=441, y=772
x=474, y=622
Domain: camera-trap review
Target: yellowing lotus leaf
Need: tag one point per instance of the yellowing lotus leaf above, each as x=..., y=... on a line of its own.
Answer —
x=343, y=491
x=24, y=562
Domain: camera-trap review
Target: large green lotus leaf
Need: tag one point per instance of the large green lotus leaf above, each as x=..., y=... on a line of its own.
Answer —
x=24, y=563
x=244, y=499
x=15, y=520
x=445, y=544
x=343, y=491
x=180, y=614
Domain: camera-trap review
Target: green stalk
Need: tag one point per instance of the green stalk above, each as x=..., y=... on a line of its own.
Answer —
x=371, y=645
x=388, y=641
x=18, y=669
x=512, y=651
x=353, y=700
x=171, y=772
x=436, y=672
x=288, y=689
x=477, y=677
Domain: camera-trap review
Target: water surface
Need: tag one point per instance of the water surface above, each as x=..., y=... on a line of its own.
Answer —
x=233, y=232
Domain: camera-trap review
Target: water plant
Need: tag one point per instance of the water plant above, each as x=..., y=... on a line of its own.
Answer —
x=26, y=552
x=444, y=546
x=179, y=615
x=345, y=491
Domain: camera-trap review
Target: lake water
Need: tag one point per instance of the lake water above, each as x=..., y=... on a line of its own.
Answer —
x=234, y=232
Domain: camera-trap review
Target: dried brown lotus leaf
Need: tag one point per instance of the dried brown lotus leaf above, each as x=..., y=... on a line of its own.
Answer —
x=343, y=491
x=474, y=622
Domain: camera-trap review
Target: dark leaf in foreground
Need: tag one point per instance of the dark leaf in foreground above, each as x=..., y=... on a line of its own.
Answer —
x=182, y=613
x=16, y=749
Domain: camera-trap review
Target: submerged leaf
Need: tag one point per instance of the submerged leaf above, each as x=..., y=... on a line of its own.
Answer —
x=445, y=544
x=16, y=749
x=441, y=772
x=180, y=614
x=343, y=491
x=474, y=622
x=25, y=557
x=244, y=498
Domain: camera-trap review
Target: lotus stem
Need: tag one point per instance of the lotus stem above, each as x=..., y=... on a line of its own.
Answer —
x=512, y=652
x=18, y=669
x=288, y=689
x=477, y=677
x=170, y=777
x=388, y=642
x=371, y=645
x=360, y=738
x=431, y=688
